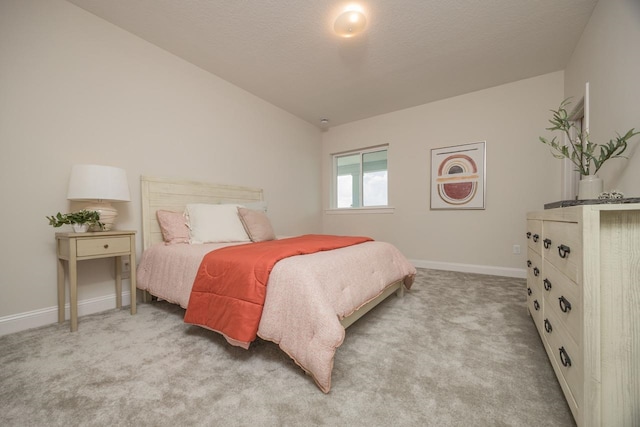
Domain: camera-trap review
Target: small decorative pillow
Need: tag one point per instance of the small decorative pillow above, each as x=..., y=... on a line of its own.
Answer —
x=215, y=224
x=173, y=226
x=256, y=224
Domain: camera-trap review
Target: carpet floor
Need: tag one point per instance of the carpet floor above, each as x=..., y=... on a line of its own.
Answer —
x=457, y=350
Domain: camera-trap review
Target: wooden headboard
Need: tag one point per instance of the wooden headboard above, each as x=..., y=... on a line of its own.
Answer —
x=174, y=195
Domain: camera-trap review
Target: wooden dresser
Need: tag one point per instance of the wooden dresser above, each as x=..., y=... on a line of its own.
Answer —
x=583, y=293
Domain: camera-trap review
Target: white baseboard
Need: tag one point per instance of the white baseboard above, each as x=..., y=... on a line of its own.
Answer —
x=46, y=316
x=519, y=273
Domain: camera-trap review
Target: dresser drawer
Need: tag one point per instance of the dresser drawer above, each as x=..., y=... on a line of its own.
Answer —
x=103, y=246
x=534, y=287
x=563, y=297
x=534, y=269
x=534, y=234
x=562, y=246
x=565, y=354
x=534, y=304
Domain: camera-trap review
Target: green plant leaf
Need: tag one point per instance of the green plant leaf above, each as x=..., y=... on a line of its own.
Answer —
x=84, y=216
x=582, y=152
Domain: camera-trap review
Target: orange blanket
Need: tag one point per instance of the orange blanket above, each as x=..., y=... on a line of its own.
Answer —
x=231, y=284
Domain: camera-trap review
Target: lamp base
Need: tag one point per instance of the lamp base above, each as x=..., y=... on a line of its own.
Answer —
x=108, y=214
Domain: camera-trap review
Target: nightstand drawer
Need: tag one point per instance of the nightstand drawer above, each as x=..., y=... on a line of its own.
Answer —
x=102, y=246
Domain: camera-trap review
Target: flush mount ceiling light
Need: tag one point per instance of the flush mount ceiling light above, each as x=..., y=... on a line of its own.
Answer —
x=350, y=23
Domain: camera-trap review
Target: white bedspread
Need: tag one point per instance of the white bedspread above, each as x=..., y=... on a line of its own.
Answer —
x=307, y=295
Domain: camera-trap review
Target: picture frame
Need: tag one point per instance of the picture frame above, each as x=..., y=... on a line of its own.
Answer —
x=458, y=176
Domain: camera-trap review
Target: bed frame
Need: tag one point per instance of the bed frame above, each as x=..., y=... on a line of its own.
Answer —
x=174, y=195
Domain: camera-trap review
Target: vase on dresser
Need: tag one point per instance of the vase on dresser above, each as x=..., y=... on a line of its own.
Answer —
x=589, y=187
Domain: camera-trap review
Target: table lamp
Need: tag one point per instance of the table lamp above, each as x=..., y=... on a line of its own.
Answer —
x=100, y=185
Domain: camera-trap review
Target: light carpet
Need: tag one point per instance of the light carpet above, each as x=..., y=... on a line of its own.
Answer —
x=457, y=350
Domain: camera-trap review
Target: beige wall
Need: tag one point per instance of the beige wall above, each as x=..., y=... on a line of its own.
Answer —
x=76, y=89
x=521, y=175
x=608, y=57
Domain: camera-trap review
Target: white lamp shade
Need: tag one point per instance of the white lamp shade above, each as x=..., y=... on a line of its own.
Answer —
x=96, y=182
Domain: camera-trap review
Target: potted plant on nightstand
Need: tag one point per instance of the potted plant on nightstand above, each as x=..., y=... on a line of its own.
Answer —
x=80, y=221
x=587, y=156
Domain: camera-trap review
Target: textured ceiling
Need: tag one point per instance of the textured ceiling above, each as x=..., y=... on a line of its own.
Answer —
x=412, y=51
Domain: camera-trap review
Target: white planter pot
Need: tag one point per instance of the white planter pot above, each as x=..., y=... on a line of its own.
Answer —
x=80, y=228
x=589, y=187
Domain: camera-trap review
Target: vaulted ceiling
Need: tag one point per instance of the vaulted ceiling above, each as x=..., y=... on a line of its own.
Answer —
x=411, y=52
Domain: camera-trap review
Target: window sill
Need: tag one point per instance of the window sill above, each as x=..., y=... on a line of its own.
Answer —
x=353, y=211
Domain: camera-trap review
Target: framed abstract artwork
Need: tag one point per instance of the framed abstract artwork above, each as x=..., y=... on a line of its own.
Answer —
x=458, y=176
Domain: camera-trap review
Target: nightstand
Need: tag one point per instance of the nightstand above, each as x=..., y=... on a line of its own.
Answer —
x=74, y=247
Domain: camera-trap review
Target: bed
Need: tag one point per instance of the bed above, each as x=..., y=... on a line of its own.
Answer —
x=310, y=298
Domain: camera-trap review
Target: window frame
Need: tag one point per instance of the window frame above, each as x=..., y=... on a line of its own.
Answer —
x=580, y=119
x=334, y=181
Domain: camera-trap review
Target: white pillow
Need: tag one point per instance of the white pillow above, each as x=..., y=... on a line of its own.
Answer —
x=215, y=223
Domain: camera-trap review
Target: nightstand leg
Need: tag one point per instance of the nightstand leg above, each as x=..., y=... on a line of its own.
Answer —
x=118, y=281
x=60, y=291
x=73, y=294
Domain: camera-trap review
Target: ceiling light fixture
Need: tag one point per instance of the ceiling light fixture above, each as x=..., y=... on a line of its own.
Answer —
x=350, y=23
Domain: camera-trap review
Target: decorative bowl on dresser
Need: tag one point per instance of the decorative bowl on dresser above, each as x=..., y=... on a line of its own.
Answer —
x=583, y=294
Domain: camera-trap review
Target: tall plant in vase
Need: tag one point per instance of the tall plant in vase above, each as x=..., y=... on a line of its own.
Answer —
x=587, y=156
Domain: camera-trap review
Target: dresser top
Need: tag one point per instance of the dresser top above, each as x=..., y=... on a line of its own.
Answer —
x=567, y=203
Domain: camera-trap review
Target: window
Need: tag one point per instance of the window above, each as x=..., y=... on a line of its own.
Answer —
x=360, y=178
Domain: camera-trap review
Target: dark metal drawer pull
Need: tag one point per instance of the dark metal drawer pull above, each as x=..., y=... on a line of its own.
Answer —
x=528, y=234
x=106, y=246
x=547, y=243
x=536, y=237
x=536, y=271
x=563, y=251
x=565, y=305
x=547, y=284
x=547, y=326
x=528, y=263
x=529, y=291
x=536, y=305
x=564, y=357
